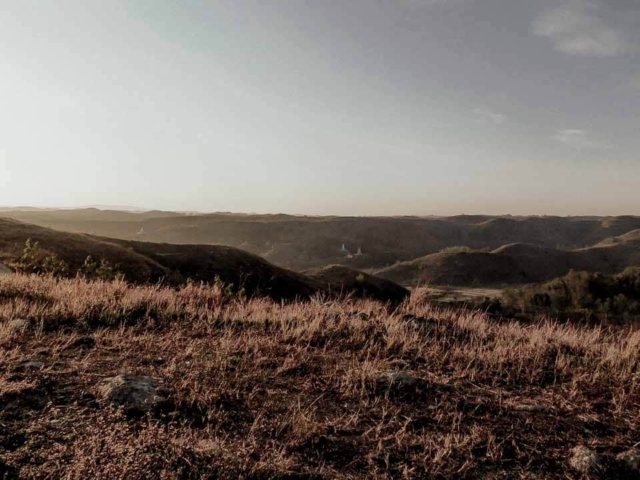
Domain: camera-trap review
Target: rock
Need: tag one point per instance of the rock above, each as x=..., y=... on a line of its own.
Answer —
x=585, y=460
x=18, y=325
x=532, y=408
x=130, y=391
x=32, y=364
x=630, y=459
x=398, y=378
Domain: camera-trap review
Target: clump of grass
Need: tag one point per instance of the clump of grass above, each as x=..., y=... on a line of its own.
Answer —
x=258, y=389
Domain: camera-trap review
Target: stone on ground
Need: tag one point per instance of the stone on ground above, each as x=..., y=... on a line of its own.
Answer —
x=130, y=391
x=399, y=378
x=585, y=460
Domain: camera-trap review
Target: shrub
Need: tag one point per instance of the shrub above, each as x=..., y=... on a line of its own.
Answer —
x=100, y=271
x=603, y=296
x=34, y=260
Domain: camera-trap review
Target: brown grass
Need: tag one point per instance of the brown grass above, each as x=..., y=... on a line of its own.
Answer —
x=258, y=389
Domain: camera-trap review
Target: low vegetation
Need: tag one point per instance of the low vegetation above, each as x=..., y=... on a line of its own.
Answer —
x=582, y=296
x=252, y=388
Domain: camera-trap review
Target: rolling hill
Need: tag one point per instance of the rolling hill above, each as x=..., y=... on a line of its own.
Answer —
x=143, y=262
x=513, y=264
x=304, y=242
x=345, y=281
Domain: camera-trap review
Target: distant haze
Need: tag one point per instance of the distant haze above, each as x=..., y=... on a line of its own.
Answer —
x=358, y=107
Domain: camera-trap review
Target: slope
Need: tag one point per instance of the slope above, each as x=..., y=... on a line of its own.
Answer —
x=147, y=262
x=143, y=262
x=511, y=264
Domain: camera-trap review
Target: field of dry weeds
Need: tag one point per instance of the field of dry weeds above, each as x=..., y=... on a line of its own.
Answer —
x=237, y=388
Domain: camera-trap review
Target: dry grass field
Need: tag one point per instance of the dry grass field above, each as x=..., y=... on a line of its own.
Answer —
x=239, y=388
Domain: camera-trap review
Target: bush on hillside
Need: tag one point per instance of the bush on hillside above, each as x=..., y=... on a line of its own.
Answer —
x=35, y=260
x=102, y=270
x=590, y=295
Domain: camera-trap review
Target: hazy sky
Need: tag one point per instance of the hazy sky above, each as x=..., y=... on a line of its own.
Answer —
x=322, y=106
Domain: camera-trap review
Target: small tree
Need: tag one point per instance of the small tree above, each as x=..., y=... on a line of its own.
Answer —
x=89, y=267
x=103, y=270
x=106, y=271
x=29, y=261
x=33, y=260
x=54, y=266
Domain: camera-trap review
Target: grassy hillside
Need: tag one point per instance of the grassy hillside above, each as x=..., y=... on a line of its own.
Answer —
x=345, y=281
x=324, y=390
x=513, y=264
x=630, y=237
x=582, y=296
x=308, y=242
x=143, y=262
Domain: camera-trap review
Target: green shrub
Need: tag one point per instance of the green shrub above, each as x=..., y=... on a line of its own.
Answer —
x=34, y=260
x=100, y=271
x=577, y=293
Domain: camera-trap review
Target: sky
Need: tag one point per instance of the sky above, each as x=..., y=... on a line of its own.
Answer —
x=345, y=107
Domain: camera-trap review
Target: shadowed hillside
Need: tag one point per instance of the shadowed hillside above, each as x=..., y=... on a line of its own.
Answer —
x=307, y=242
x=142, y=262
x=347, y=282
x=512, y=264
x=150, y=262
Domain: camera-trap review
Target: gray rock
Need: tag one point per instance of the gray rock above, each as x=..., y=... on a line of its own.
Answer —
x=33, y=364
x=532, y=408
x=630, y=459
x=130, y=391
x=585, y=460
x=398, y=378
x=18, y=325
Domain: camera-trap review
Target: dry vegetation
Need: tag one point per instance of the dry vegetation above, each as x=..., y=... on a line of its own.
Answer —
x=257, y=389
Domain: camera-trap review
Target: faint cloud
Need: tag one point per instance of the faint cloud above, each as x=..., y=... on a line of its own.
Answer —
x=579, y=139
x=580, y=27
x=485, y=115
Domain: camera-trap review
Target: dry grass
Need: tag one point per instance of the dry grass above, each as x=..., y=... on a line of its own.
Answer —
x=257, y=389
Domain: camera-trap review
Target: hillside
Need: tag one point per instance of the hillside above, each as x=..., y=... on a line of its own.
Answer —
x=109, y=380
x=581, y=296
x=301, y=242
x=143, y=262
x=347, y=282
x=511, y=264
x=630, y=237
